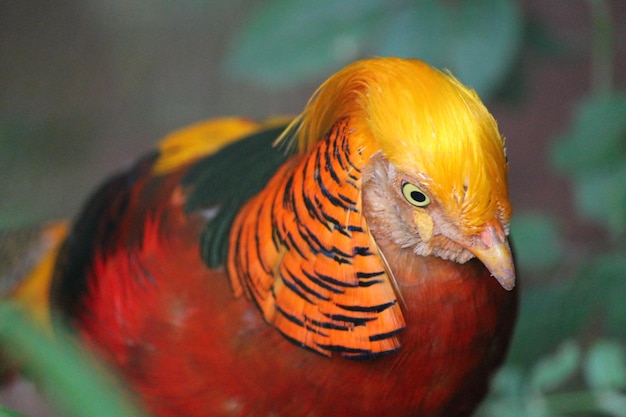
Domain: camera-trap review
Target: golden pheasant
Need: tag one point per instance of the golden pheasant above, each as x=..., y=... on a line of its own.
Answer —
x=351, y=262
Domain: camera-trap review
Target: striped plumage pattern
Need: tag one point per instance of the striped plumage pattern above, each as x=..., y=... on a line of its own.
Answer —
x=301, y=249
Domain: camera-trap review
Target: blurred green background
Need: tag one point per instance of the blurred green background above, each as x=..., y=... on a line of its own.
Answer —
x=86, y=86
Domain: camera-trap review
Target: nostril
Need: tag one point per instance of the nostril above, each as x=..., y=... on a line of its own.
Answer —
x=493, y=232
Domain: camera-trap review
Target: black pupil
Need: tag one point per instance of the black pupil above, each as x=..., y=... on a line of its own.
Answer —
x=418, y=196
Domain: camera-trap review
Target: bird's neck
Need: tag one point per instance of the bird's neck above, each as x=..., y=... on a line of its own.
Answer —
x=458, y=323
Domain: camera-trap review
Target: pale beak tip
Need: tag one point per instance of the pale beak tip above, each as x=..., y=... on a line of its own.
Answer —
x=495, y=254
x=507, y=280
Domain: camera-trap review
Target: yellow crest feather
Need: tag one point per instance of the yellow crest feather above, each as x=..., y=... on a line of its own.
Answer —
x=426, y=123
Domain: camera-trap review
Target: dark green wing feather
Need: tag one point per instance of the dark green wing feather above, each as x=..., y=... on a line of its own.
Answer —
x=225, y=180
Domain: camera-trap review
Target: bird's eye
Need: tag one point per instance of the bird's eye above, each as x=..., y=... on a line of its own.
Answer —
x=414, y=195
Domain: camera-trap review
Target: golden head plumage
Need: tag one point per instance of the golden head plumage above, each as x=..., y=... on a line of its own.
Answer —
x=426, y=123
x=430, y=127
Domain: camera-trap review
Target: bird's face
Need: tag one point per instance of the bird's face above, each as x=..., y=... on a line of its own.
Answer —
x=405, y=209
x=437, y=178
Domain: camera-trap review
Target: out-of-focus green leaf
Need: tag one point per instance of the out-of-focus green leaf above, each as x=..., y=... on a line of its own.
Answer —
x=509, y=381
x=593, y=152
x=541, y=38
x=596, y=139
x=419, y=30
x=64, y=373
x=538, y=243
x=506, y=396
x=605, y=366
x=4, y=412
x=601, y=196
x=560, y=310
x=553, y=371
x=488, y=34
x=477, y=40
x=286, y=41
x=549, y=314
x=598, y=290
x=612, y=402
x=606, y=286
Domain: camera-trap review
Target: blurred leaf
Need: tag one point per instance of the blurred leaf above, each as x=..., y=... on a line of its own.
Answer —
x=606, y=286
x=549, y=314
x=605, y=366
x=488, y=35
x=553, y=371
x=63, y=372
x=601, y=196
x=593, y=152
x=509, y=381
x=596, y=139
x=538, y=243
x=612, y=402
x=419, y=30
x=287, y=41
x=597, y=290
x=541, y=37
x=455, y=36
x=506, y=397
x=8, y=413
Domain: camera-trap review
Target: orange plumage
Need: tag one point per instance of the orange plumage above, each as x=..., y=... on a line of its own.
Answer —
x=345, y=271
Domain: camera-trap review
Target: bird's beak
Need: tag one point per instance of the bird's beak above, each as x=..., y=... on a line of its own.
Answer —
x=494, y=252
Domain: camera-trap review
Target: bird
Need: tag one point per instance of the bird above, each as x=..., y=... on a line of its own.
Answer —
x=354, y=260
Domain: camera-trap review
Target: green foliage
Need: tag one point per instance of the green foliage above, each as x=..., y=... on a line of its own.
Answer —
x=4, y=412
x=593, y=153
x=588, y=299
x=455, y=37
x=602, y=286
x=287, y=41
x=66, y=374
x=595, y=141
x=290, y=41
x=538, y=243
x=605, y=366
x=543, y=391
x=551, y=372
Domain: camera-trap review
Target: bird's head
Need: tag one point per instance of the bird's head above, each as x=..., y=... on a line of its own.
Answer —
x=437, y=177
